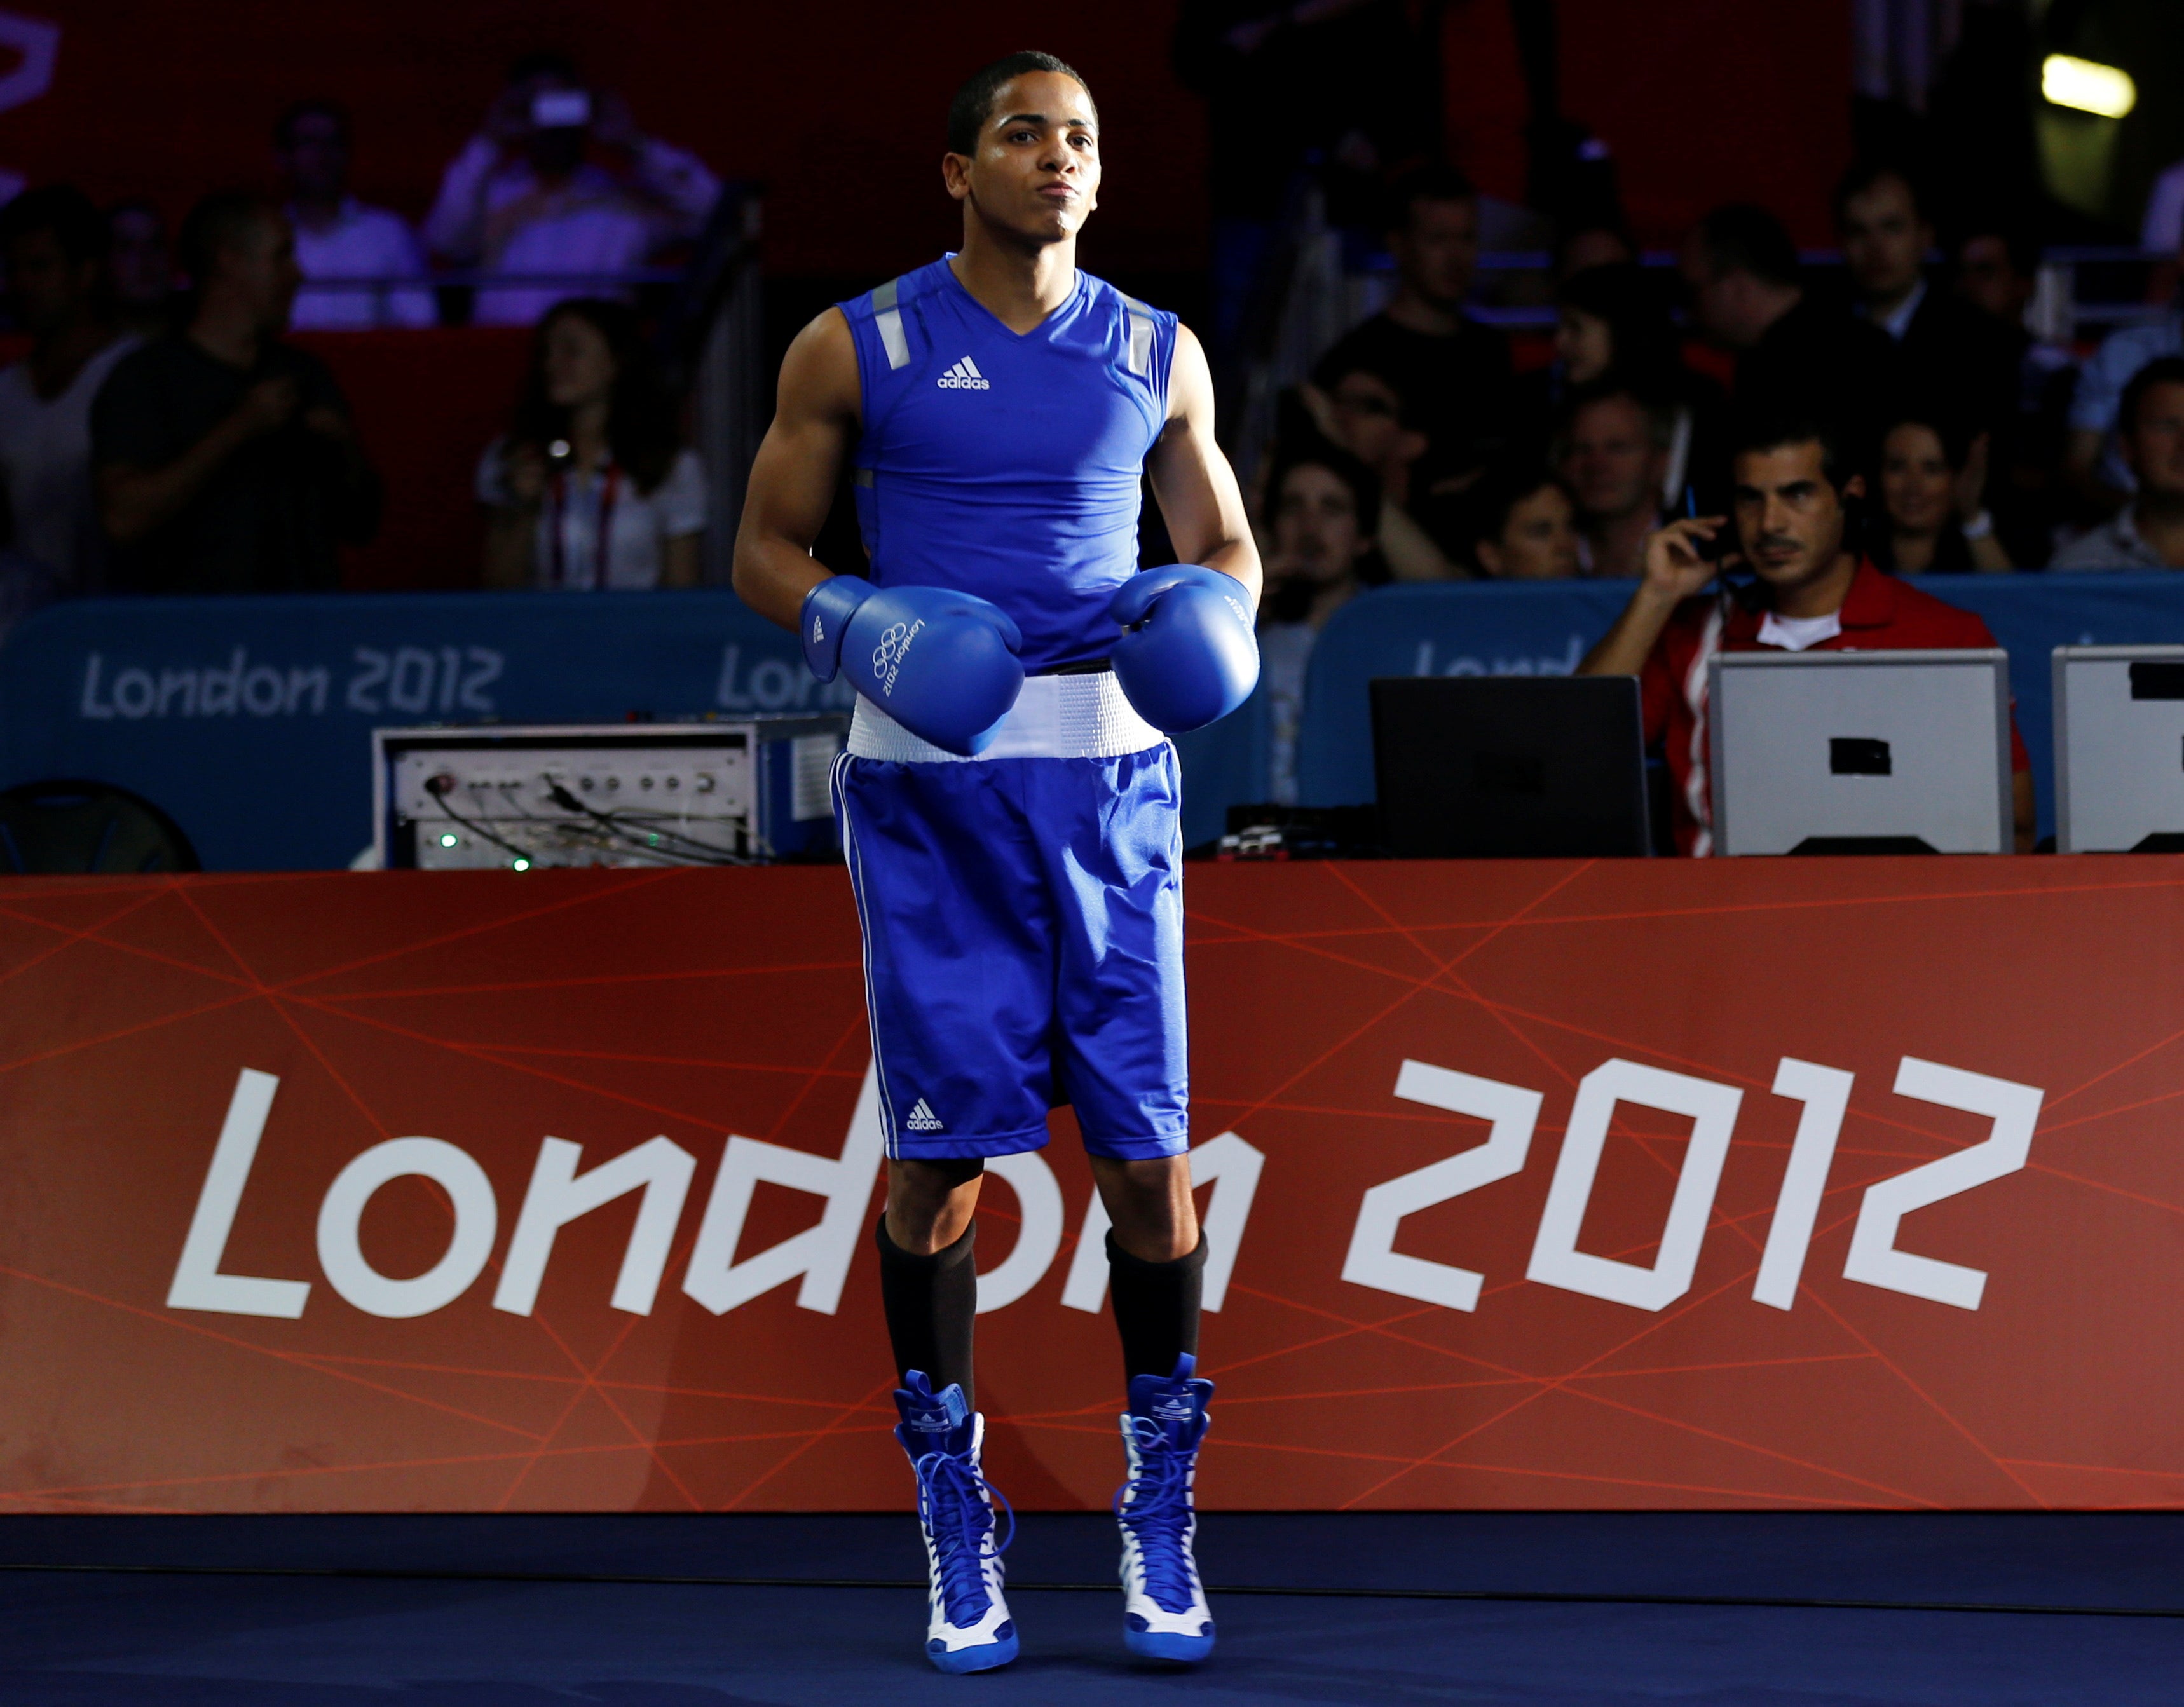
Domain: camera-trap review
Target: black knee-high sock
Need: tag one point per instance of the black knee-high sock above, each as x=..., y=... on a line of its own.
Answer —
x=930, y=1303
x=1156, y=1306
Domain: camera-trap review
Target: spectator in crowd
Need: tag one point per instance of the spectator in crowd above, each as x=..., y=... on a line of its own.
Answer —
x=1794, y=354
x=1794, y=500
x=1612, y=327
x=1996, y=265
x=2148, y=531
x=1364, y=413
x=524, y=199
x=1933, y=516
x=223, y=459
x=2093, y=461
x=1612, y=453
x=1949, y=348
x=1523, y=524
x=337, y=237
x=1454, y=369
x=53, y=244
x=1589, y=244
x=1321, y=510
x=1349, y=85
x=140, y=272
x=590, y=487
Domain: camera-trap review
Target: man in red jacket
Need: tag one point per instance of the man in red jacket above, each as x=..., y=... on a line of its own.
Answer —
x=1813, y=594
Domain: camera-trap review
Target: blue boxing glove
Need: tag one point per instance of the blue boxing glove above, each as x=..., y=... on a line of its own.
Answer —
x=1188, y=655
x=825, y=619
x=943, y=664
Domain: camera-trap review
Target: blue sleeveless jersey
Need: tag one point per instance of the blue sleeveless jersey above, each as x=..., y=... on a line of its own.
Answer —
x=1008, y=466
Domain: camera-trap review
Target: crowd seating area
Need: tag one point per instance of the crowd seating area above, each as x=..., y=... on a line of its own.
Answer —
x=1421, y=387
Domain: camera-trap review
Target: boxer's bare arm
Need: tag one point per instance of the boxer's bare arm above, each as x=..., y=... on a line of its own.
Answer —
x=793, y=481
x=1197, y=490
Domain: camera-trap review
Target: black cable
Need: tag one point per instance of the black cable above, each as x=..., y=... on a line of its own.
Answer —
x=698, y=851
x=474, y=827
x=692, y=848
x=477, y=828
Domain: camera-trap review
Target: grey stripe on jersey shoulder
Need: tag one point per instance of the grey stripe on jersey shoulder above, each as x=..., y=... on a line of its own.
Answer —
x=1141, y=335
x=887, y=318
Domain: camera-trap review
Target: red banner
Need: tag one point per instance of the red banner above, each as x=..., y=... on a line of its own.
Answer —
x=1793, y=1183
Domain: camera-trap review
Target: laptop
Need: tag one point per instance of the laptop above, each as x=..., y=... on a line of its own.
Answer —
x=1861, y=752
x=1481, y=767
x=2120, y=749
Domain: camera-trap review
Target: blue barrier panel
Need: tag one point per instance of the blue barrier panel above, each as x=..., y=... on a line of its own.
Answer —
x=249, y=720
x=1224, y=764
x=1543, y=629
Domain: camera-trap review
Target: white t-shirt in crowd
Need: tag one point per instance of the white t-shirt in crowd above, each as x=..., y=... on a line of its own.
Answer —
x=361, y=243
x=638, y=525
x=45, y=459
x=1799, y=633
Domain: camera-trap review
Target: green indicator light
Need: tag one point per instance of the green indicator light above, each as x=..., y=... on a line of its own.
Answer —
x=449, y=841
x=522, y=864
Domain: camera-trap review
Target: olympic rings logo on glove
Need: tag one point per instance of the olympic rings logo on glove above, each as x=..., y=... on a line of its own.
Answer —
x=893, y=648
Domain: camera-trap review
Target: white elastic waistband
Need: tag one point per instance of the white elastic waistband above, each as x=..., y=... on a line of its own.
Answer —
x=1055, y=717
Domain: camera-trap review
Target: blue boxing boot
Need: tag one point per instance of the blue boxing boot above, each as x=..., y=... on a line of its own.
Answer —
x=1164, y=1611
x=968, y=1628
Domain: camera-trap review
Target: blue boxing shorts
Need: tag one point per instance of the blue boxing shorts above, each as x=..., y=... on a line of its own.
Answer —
x=1022, y=918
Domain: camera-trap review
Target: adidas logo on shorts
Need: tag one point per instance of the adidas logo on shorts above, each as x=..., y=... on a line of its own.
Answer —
x=964, y=376
x=922, y=1118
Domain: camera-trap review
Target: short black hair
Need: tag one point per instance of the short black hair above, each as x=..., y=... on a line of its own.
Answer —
x=2162, y=370
x=1493, y=497
x=1764, y=430
x=1344, y=359
x=1611, y=388
x=219, y=222
x=1435, y=182
x=2020, y=239
x=1950, y=425
x=974, y=102
x=1864, y=174
x=1745, y=237
x=284, y=127
x=63, y=209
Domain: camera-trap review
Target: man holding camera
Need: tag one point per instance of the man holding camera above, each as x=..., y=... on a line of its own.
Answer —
x=526, y=199
x=1812, y=591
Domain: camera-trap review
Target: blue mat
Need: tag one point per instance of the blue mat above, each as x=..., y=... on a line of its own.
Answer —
x=107, y=1611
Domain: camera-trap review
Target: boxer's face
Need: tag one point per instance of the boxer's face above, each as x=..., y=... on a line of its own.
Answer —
x=1037, y=170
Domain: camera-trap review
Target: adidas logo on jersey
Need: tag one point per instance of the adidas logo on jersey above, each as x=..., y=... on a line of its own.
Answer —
x=965, y=376
x=922, y=1118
